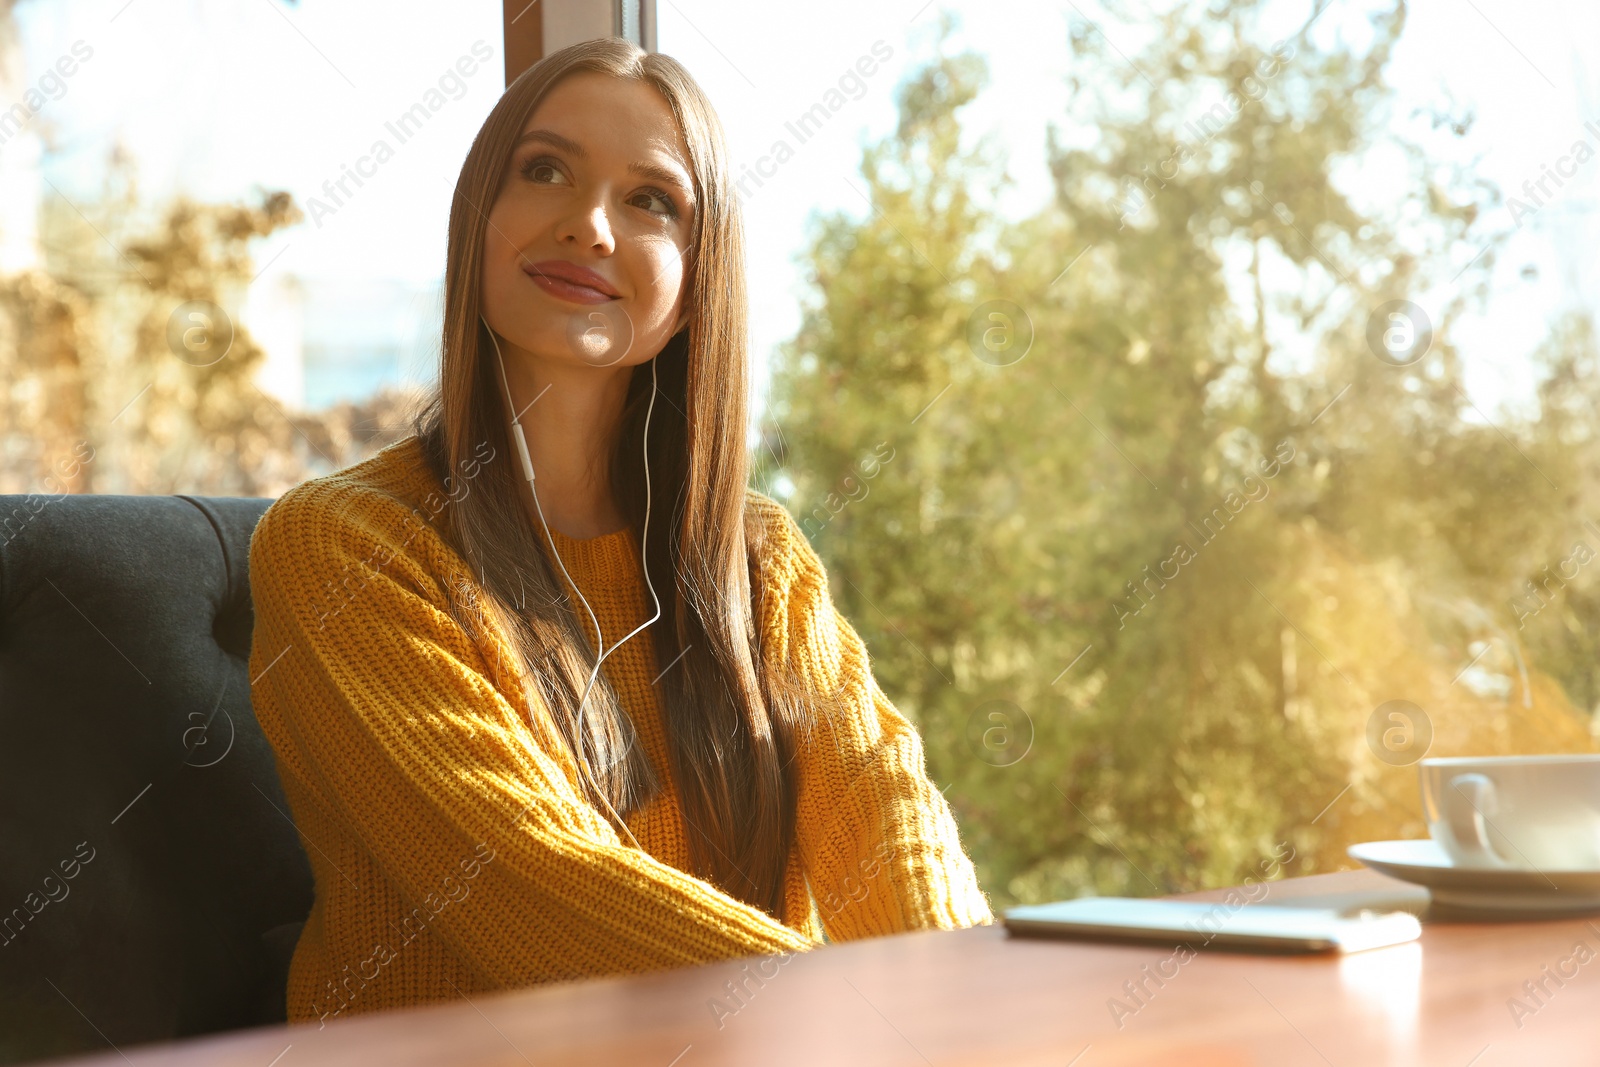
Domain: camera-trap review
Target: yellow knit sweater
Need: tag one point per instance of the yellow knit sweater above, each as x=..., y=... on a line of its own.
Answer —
x=453, y=851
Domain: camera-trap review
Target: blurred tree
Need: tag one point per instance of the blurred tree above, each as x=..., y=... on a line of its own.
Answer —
x=1139, y=525
x=123, y=367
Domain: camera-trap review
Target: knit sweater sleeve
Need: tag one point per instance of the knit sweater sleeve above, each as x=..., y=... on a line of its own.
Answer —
x=384, y=708
x=878, y=841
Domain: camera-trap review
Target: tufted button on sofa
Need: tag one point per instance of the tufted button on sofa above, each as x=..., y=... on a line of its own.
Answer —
x=152, y=885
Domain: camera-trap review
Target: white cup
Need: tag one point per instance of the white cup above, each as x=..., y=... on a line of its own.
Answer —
x=1539, y=813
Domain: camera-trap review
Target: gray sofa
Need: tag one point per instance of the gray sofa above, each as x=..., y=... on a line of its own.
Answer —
x=152, y=885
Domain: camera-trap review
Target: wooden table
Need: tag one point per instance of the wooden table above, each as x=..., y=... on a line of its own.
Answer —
x=980, y=996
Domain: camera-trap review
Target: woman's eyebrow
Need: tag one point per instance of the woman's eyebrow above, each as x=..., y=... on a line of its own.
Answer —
x=554, y=140
x=666, y=175
x=653, y=171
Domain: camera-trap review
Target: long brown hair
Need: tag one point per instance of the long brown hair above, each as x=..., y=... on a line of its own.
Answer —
x=731, y=719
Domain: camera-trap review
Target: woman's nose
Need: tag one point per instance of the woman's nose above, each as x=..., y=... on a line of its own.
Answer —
x=590, y=227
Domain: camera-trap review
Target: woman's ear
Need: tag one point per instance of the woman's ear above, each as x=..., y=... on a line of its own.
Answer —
x=684, y=297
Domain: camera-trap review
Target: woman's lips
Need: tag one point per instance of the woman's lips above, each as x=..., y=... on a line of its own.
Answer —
x=570, y=282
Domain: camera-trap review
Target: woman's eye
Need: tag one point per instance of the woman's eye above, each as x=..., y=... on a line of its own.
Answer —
x=546, y=170
x=543, y=170
x=657, y=201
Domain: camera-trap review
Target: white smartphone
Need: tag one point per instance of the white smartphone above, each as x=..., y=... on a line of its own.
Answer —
x=1259, y=927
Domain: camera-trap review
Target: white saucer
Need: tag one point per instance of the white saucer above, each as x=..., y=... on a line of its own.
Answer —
x=1531, y=892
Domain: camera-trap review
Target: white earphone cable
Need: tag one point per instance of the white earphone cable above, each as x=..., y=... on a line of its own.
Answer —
x=527, y=470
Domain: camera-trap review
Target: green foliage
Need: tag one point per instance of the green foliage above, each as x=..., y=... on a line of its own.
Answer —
x=1143, y=587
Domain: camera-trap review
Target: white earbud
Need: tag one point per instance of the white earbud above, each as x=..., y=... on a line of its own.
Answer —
x=644, y=561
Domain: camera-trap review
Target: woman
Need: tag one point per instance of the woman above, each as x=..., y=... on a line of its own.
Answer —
x=552, y=692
